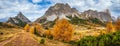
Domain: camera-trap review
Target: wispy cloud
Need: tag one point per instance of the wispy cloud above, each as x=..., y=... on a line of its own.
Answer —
x=33, y=9
x=10, y=8
x=99, y=5
x=36, y=1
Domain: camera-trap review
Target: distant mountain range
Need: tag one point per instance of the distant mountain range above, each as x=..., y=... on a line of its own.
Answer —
x=60, y=10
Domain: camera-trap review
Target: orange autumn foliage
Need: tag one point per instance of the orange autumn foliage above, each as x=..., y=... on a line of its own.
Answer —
x=27, y=27
x=39, y=29
x=63, y=30
x=48, y=33
x=32, y=29
x=117, y=25
x=110, y=27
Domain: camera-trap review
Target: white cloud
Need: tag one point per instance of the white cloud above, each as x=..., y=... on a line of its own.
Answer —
x=33, y=11
x=10, y=9
x=99, y=5
x=36, y=1
x=82, y=5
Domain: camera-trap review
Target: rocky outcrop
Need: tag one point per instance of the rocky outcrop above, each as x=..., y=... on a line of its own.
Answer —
x=102, y=16
x=59, y=10
x=19, y=19
x=118, y=18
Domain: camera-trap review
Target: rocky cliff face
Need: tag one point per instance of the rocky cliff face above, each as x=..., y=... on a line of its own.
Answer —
x=20, y=19
x=60, y=10
x=118, y=18
x=102, y=16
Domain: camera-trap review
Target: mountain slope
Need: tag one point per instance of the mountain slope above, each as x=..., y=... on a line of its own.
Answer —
x=60, y=10
x=102, y=16
x=20, y=20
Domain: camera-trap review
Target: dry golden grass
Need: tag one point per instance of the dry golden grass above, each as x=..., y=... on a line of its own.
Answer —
x=6, y=33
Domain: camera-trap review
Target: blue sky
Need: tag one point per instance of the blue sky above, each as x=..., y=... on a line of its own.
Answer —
x=34, y=9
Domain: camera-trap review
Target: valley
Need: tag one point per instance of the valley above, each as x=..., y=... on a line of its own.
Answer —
x=62, y=25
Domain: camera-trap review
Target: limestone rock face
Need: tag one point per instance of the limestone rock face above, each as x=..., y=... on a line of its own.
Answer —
x=118, y=18
x=57, y=11
x=102, y=16
x=60, y=10
x=20, y=18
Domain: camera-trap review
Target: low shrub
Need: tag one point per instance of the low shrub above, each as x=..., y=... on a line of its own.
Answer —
x=42, y=41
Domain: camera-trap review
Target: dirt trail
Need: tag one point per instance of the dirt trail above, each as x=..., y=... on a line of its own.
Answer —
x=21, y=39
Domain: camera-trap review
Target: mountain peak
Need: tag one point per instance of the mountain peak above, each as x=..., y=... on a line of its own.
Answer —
x=61, y=4
x=57, y=10
x=20, y=18
x=60, y=10
x=20, y=15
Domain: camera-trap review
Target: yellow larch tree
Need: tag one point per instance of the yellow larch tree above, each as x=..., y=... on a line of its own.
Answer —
x=63, y=30
x=39, y=29
x=117, y=24
x=32, y=29
x=27, y=27
x=110, y=27
x=48, y=33
x=103, y=31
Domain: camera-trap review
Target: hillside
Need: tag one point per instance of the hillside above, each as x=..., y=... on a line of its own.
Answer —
x=8, y=25
x=60, y=10
x=19, y=20
x=62, y=25
x=88, y=17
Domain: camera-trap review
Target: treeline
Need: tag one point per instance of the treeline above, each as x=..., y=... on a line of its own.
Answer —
x=77, y=21
x=62, y=30
x=111, y=39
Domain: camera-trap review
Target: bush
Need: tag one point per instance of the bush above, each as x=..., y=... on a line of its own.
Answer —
x=96, y=21
x=42, y=41
x=110, y=27
x=76, y=20
x=112, y=39
x=73, y=42
x=48, y=34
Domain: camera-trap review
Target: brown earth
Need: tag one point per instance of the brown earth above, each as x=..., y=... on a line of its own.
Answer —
x=21, y=39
